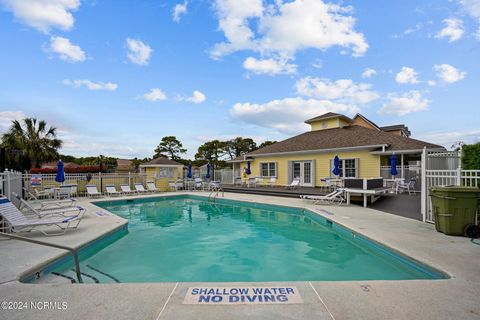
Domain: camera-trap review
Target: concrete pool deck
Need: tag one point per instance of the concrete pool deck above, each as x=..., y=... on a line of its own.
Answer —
x=455, y=298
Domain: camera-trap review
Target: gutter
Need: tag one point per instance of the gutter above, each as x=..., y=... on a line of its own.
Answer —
x=311, y=151
x=408, y=151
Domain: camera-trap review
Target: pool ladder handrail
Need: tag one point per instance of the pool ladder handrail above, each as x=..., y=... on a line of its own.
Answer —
x=73, y=251
x=214, y=193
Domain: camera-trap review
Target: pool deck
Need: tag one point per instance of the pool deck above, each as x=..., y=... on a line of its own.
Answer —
x=455, y=298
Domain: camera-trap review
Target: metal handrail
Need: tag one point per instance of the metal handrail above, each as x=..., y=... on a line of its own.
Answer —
x=58, y=246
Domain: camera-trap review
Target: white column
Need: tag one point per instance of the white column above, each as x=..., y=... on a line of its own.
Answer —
x=424, y=194
x=402, y=169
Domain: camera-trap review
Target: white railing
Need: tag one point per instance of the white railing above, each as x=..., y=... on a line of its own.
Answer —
x=458, y=177
x=81, y=180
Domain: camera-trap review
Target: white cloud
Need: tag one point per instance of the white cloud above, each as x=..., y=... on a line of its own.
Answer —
x=407, y=75
x=269, y=66
x=317, y=64
x=179, y=10
x=155, y=94
x=405, y=103
x=448, y=73
x=66, y=50
x=472, y=7
x=43, y=14
x=343, y=90
x=448, y=138
x=197, y=97
x=368, y=73
x=453, y=30
x=6, y=118
x=283, y=28
x=138, y=52
x=107, y=86
x=286, y=115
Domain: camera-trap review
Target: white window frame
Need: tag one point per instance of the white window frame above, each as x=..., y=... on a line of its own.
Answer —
x=342, y=167
x=268, y=170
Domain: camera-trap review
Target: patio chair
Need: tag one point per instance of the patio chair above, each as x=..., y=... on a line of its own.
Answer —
x=126, y=189
x=139, y=188
x=408, y=186
x=151, y=186
x=238, y=181
x=15, y=221
x=172, y=185
x=198, y=184
x=179, y=185
x=110, y=190
x=271, y=182
x=294, y=184
x=49, y=203
x=335, y=197
x=252, y=182
x=64, y=192
x=46, y=193
x=30, y=210
x=92, y=191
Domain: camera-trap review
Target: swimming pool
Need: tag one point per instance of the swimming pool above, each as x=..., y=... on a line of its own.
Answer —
x=189, y=239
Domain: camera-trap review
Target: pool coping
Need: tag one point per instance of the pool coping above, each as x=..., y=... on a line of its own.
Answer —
x=384, y=296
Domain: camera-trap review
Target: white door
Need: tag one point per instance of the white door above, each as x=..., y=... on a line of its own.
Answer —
x=303, y=170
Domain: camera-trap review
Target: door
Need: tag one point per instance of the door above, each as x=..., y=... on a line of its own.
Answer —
x=303, y=170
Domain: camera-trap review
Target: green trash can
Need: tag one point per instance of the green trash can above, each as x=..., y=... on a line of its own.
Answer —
x=454, y=208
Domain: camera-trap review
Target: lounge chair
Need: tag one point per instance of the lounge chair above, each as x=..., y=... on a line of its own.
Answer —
x=126, y=189
x=139, y=188
x=335, y=197
x=65, y=211
x=92, y=191
x=110, y=190
x=15, y=221
x=172, y=185
x=151, y=186
x=46, y=193
x=252, y=182
x=294, y=184
x=271, y=182
x=42, y=204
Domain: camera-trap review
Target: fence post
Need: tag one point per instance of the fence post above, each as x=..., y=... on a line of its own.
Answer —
x=9, y=185
x=458, y=177
x=424, y=195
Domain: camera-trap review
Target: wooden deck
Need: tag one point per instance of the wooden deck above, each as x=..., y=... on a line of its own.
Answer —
x=273, y=191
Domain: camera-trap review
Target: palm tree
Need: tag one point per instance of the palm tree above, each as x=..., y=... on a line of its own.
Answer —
x=37, y=142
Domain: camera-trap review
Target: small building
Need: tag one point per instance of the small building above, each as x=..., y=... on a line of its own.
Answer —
x=362, y=146
x=161, y=170
x=124, y=166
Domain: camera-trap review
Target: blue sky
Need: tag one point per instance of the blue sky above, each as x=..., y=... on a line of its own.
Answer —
x=117, y=76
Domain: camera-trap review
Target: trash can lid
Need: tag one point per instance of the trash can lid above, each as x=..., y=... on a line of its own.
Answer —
x=458, y=189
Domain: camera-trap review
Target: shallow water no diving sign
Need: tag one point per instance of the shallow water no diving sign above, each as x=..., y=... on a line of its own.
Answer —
x=242, y=295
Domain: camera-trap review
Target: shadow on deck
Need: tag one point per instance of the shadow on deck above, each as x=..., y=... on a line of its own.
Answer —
x=398, y=204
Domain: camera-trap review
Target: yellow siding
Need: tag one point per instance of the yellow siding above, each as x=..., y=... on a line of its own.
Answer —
x=328, y=124
x=369, y=164
x=162, y=184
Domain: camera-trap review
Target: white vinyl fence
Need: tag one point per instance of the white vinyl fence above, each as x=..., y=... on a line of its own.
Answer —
x=443, y=169
x=11, y=181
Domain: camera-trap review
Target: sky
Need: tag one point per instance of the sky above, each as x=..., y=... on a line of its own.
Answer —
x=116, y=76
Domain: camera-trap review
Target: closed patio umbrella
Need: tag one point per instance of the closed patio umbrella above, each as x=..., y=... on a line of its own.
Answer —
x=336, y=166
x=208, y=171
x=60, y=177
x=248, y=171
x=189, y=172
x=393, y=165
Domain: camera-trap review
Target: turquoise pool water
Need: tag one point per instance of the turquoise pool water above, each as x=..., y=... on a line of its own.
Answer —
x=187, y=238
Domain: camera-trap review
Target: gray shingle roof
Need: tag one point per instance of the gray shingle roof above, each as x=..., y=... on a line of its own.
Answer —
x=161, y=161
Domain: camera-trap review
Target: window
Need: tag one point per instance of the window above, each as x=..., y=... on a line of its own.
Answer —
x=348, y=168
x=164, y=172
x=268, y=169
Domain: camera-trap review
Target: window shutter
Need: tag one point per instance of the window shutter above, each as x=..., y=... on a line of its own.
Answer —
x=314, y=176
x=357, y=167
x=276, y=169
x=289, y=172
x=331, y=169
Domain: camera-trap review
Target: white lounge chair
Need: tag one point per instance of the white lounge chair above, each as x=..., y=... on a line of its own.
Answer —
x=271, y=182
x=294, y=184
x=42, y=204
x=15, y=221
x=335, y=197
x=30, y=210
x=92, y=191
x=151, y=186
x=139, y=188
x=252, y=182
x=172, y=185
x=110, y=190
x=126, y=189
x=198, y=184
